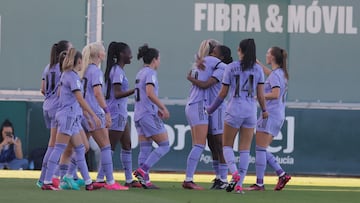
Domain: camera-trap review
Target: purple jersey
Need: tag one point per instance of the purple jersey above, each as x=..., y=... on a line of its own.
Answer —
x=198, y=94
x=143, y=105
x=218, y=73
x=93, y=76
x=69, y=83
x=117, y=76
x=51, y=77
x=276, y=107
x=242, y=92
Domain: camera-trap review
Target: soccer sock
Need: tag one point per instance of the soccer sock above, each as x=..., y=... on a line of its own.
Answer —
x=193, y=160
x=72, y=166
x=155, y=155
x=230, y=158
x=215, y=165
x=260, y=163
x=81, y=162
x=145, y=150
x=63, y=168
x=223, y=168
x=53, y=161
x=44, y=163
x=126, y=161
x=243, y=165
x=271, y=160
x=107, y=164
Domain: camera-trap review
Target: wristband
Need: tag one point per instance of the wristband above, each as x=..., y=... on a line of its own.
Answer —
x=264, y=110
x=106, y=110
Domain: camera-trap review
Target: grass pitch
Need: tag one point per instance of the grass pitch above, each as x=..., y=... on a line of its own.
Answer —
x=19, y=186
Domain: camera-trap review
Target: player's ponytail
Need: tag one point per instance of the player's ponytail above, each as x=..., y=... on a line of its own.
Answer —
x=248, y=48
x=280, y=56
x=56, y=49
x=112, y=59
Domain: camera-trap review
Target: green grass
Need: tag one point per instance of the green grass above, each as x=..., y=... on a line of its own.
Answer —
x=25, y=191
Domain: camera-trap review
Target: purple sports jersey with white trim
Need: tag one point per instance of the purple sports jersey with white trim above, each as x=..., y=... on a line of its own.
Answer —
x=93, y=76
x=242, y=92
x=196, y=93
x=117, y=106
x=276, y=107
x=51, y=77
x=69, y=111
x=143, y=105
x=69, y=83
x=218, y=73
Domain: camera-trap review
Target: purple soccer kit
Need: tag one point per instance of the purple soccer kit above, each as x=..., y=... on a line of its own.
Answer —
x=195, y=110
x=93, y=76
x=147, y=121
x=272, y=125
x=67, y=119
x=119, y=114
x=241, y=108
x=51, y=77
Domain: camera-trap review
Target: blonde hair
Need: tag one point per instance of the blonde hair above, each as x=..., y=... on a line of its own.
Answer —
x=90, y=52
x=71, y=59
x=205, y=49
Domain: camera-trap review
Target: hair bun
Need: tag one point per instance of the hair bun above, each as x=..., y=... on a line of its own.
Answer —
x=142, y=51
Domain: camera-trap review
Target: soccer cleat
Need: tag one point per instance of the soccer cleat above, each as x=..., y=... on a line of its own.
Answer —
x=133, y=184
x=216, y=182
x=282, y=182
x=91, y=187
x=255, y=187
x=64, y=186
x=142, y=176
x=80, y=182
x=98, y=185
x=191, y=186
x=235, y=178
x=55, y=182
x=239, y=189
x=71, y=184
x=49, y=187
x=149, y=185
x=39, y=183
x=115, y=186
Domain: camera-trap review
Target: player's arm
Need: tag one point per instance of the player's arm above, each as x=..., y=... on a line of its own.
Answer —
x=118, y=93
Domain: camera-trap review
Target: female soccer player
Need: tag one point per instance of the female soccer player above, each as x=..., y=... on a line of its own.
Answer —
x=92, y=77
x=117, y=91
x=245, y=80
x=49, y=85
x=267, y=129
x=148, y=114
x=216, y=120
x=195, y=107
x=68, y=120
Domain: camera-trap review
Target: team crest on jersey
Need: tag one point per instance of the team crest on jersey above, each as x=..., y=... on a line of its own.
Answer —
x=78, y=83
x=121, y=78
x=153, y=78
x=101, y=80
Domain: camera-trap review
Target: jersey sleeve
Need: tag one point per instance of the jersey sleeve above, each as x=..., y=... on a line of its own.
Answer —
x=261, y=75
x=227, y=76
x=118, y=76
x=43, y=76
x=274, y=80
x=219, y=72
x=75, y=83
x=97, y=78
x=151, y=78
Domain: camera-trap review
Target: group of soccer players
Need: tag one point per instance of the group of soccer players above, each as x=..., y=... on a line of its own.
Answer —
x=81, y=101
x=214, y=78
